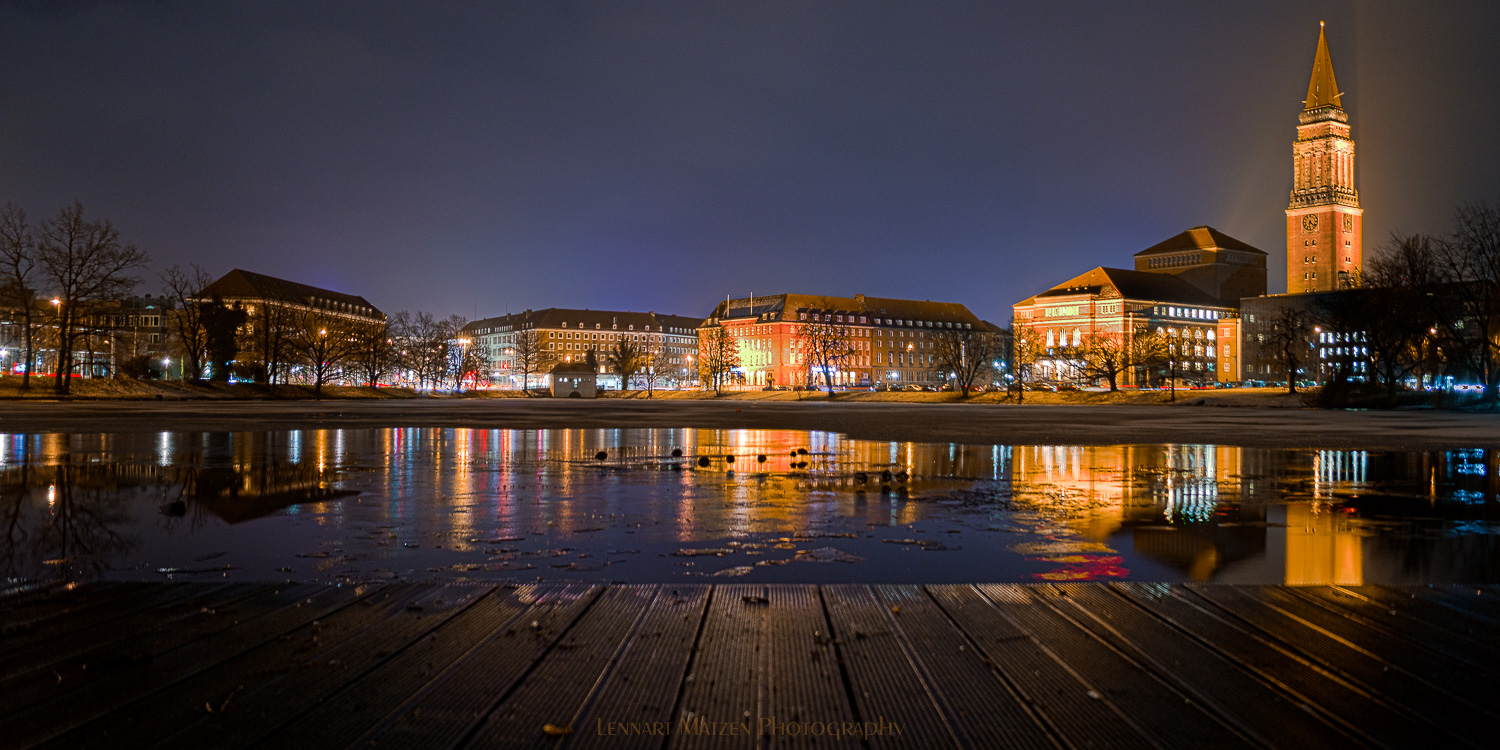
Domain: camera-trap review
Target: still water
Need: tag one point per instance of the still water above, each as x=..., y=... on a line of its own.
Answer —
x=424, y=504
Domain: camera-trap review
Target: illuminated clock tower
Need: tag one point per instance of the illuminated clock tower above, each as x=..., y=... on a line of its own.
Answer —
x=1323, y=235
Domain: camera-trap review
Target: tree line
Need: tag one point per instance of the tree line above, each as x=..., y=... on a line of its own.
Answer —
x=88, y=268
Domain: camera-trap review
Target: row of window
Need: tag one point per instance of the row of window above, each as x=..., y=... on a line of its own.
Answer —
x=1172, y=261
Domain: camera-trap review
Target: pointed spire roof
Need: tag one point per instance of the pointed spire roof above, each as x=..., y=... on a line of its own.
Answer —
x=1322, y=90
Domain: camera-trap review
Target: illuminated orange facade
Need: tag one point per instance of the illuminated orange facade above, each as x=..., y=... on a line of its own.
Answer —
x=1186, y=288
x=891, y=339
x=1323, y=218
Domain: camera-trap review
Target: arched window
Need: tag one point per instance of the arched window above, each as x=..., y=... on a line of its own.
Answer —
x=1077, y=339
x=1050, y=340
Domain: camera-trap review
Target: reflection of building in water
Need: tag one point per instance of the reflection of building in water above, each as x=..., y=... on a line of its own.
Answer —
x=1316, y=544
x=1334, y=468
x=1175, y=500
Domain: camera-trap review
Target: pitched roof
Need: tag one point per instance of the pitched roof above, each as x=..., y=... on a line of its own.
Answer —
x=1322, y=89
x=885, y=308
x=1133, y=285
x=559, y=317
x=1201, y=237
x=239, y=284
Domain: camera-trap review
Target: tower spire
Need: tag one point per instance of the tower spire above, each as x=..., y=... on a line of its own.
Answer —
x=1322, y=90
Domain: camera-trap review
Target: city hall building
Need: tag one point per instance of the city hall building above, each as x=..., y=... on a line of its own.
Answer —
x=1186, y=288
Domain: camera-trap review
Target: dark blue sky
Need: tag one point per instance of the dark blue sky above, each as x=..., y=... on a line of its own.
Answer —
x=476, y=157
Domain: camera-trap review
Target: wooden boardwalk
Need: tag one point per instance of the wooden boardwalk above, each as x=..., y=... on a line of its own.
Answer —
x=125, y=665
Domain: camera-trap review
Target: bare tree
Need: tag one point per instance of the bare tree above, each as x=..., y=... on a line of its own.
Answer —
x=968, y=353
x=1469, y=262
x=1149, y=353
x=718, y=355
x=221, y=326
x=271, y=324
x=184, y=289
x=650, y=358
x=324, y=345
x=85, y=261
x=1105, y=357
x=1392, y=311
x=375, y=351
x=18, y=254
x=469, y=360
x=826, y=345
x=1288, y=340
x=527, y=355
x=623, y=359
x=1026, y=349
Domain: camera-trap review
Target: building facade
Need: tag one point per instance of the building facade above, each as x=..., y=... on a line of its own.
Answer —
x=891, y=340
x=566, y=336
x=1323, y=219
x=1185, y=289
x=278, y=312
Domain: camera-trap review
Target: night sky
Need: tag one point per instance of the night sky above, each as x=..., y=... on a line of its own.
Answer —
x=475, y=158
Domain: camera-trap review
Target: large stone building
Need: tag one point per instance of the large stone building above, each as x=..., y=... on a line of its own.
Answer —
x=279, y=313
x=892, y=340
x=1184, y=289
x=1323, y=218
x=566, y=336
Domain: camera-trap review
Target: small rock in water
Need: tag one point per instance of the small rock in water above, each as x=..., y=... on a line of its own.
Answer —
x=601, y=455
x=703, y=460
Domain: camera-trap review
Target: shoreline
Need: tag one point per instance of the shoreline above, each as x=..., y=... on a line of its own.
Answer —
x=968, y=423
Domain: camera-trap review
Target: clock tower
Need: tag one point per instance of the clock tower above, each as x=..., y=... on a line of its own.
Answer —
x=1323, y=235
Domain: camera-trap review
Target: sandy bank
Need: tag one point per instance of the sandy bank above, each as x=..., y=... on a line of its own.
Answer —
x=977, y=423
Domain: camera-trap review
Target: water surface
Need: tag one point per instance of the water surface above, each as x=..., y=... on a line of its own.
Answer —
x=428, y=504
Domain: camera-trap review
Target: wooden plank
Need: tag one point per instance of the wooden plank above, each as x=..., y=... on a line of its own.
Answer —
x=803, y=684
x=1446, y=713
x=459, y=699
x=724, y=678
x=377, y=696
x=1159, y=709
x=1474, y=686
x=1434, y=613
x=1355, y=710
x=15, y=593
x=107, y=713
x=644, y=685
x=103, y=636
x=1257, y=708
x=88, y=664
x=1394, y=617
x=51, y=617
x=559, y=687
x=1057, y=694
x=885, y=678
x=984, y=710
x=766, y=670
x=30, y=605
x=1470, y=600
x=260, y=710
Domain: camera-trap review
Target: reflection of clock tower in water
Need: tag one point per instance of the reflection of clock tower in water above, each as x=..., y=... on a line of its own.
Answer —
x=1323, y=219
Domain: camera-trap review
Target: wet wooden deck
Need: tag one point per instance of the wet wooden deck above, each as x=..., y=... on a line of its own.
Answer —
x=123, y=665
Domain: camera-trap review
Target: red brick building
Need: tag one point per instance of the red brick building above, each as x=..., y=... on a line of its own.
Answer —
x=892, y=339
x=1323, y=218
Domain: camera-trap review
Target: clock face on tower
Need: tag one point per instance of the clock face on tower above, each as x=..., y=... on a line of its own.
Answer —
x=1348, y=223
x=1310, y=223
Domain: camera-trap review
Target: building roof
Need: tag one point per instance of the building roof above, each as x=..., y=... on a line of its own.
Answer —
x=1201, y=237
x=883, y=308
x=1322, y=89
x=581, y=368
x=239, y=284
x=1141, y=286
x=606, y=320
